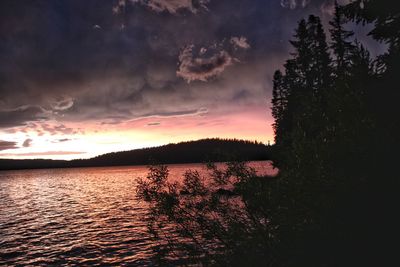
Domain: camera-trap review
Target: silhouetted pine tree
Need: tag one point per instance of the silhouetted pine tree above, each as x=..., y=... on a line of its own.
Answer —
x=341, y=46
x=281, y=125
x=351, y=70
x=300, y=96
x=279, y=101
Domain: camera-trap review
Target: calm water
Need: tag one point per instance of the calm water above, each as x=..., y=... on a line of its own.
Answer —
x=85, y=216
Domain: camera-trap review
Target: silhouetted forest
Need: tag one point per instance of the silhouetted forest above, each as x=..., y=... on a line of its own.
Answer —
x=335, y=129
x=334, y=200
x=200, y=151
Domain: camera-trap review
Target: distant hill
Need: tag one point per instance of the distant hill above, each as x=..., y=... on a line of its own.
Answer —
x=205, y=150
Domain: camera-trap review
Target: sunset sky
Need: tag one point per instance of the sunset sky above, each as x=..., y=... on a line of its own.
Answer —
x=80, y=78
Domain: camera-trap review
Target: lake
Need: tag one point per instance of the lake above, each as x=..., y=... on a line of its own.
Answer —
x=82, y=216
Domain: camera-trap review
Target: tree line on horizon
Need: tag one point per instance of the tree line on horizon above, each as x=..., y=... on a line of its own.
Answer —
x=199, y=151
x=333, y=202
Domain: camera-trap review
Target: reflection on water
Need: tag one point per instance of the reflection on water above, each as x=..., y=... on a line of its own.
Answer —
x=77, y=216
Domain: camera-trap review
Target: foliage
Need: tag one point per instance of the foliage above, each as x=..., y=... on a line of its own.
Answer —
x=217, y=214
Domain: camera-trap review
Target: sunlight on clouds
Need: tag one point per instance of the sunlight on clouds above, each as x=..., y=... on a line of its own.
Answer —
x=251, y=123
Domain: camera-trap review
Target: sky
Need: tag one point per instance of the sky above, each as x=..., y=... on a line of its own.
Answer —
x=83, y=78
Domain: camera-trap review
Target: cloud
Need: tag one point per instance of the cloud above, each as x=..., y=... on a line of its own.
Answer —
x=200, y=67
x=328, y=6
x=240, y=42
x=45, y=153
x=58, y=128
x=21, y=116
x=64, y=140
x=153, y=124
x=170, y=6
x=120, y=75
x=119, y=7
x=63, y=104
x=160, y=75
x=168, y=112
x=179, y=113
x=4, y=145
x=206, y=63
x=82, y=77
x=27, y=143
x=48, y=127
x=292, y=4
x=61, y=140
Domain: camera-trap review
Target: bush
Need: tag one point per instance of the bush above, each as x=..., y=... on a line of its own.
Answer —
x=216, y=219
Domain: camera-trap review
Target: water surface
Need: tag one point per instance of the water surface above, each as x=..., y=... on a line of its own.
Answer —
x=83, y=216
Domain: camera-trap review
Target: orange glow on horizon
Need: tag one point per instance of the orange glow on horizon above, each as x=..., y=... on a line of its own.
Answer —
x=100, y=138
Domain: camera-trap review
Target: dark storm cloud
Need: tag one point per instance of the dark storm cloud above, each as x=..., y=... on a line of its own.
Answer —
x=114, y=61
x=4, y=145
x=21, y=116
x=292, y=4
x=74, y=58
x=171, y=6
x=49, y=49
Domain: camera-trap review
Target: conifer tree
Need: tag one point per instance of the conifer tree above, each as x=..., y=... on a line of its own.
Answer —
x=279, y=99
x=306, y=82
x=341, y=47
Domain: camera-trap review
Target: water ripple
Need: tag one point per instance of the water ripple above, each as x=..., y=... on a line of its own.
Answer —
x=73, y=217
